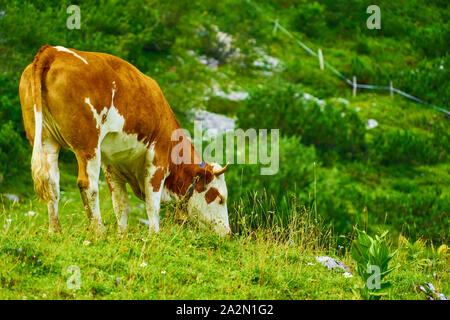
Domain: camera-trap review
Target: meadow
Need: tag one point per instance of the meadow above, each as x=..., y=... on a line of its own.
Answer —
x=367, y=162
x=183, y=261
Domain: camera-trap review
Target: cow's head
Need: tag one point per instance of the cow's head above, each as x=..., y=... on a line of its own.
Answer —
x=208, y=199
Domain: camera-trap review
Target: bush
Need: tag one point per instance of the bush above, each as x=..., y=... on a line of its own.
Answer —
x=14, y=154
x=308, y=18
x=333, y=129
x=14, y=149
x=420, y=213
x=296, y=163
x=427, y=81
x=403, y=146
x=372, y=258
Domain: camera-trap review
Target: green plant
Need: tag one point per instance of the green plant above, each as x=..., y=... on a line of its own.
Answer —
x=404, y=146
x=333, y=128
x=372, y=258
x=308, y=18
x=13, y=152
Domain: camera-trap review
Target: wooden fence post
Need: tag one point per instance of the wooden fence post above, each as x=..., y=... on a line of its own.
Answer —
x=275, y=28
x=321, y=59
x=391, y=90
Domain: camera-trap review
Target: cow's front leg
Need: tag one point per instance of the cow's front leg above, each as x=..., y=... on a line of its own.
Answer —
x=153, y=190
x=88, y=174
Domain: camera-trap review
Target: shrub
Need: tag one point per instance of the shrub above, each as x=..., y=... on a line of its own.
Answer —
x=13, y=152
x=403, y=146
x=334, y=129
x=372, y=258
x=296, y=164
x=308, y=18
x=427, y=81
x=14, y=155
x=420, y=213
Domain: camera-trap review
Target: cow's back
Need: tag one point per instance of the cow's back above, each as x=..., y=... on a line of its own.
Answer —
x=79, y=91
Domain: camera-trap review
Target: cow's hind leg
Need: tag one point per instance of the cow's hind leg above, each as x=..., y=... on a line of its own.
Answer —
x=88, y=175
x=120, y=199
x=50, y=177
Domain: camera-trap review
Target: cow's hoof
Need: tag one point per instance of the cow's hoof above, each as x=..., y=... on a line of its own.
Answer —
x=121, y=232
x=153, y=229
x=153, y=224
x=54, y=228
x=98, y=228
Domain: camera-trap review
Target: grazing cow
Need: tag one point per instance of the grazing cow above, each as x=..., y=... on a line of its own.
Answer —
x=116, y=118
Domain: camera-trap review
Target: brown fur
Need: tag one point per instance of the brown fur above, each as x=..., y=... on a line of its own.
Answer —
x=157, y=178
x=212, y=194
x=58, y=82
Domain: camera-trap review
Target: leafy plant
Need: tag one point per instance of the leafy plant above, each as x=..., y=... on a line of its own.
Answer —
x=414, y=250
x=372, y=257
x=331, y=128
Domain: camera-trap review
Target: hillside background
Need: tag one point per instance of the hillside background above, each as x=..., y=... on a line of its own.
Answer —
x=223, y=56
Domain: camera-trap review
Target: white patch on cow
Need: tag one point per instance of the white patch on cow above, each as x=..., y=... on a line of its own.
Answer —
x=121, y=150
x=38, y=129
x=168, y=196
x=98, y=117
x=60, y=48
x=153, y=198
x=91, y=193
x=132, y=158
x=37, y=161
x=51, y=152
x=214, y=213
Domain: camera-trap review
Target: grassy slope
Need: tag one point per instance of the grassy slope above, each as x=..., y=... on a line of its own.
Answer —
x=197, y=264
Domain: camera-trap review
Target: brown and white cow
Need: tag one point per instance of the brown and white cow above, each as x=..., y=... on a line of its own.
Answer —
x=116, y=118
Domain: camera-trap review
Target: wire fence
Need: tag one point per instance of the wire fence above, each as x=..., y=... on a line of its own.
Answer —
x=351, y=83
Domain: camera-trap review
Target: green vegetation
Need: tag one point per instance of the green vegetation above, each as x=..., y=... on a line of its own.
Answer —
x=334, y=174
x=183, y=261
x=372, y=257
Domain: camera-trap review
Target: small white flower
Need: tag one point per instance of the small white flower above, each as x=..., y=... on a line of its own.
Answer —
x=347, y=275
x=44, y=295
x=310, y=264
x=143, y=265
x=86, y=242
x=371, y=123
x=30, y=214
x=163, y=272
x=7, y=224
x=441, y=67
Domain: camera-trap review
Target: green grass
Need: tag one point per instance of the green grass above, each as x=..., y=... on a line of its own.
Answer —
x=182, y=261
x=408, y=198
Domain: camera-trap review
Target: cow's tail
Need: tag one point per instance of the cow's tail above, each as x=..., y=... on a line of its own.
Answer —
x=38, y=169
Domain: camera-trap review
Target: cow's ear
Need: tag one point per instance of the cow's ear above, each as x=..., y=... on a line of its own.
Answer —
x=205, y=175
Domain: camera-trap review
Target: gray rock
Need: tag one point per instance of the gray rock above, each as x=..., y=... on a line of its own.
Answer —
x=11, y=197
x=431, y=292
x=331, y=263
x=214, y=123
